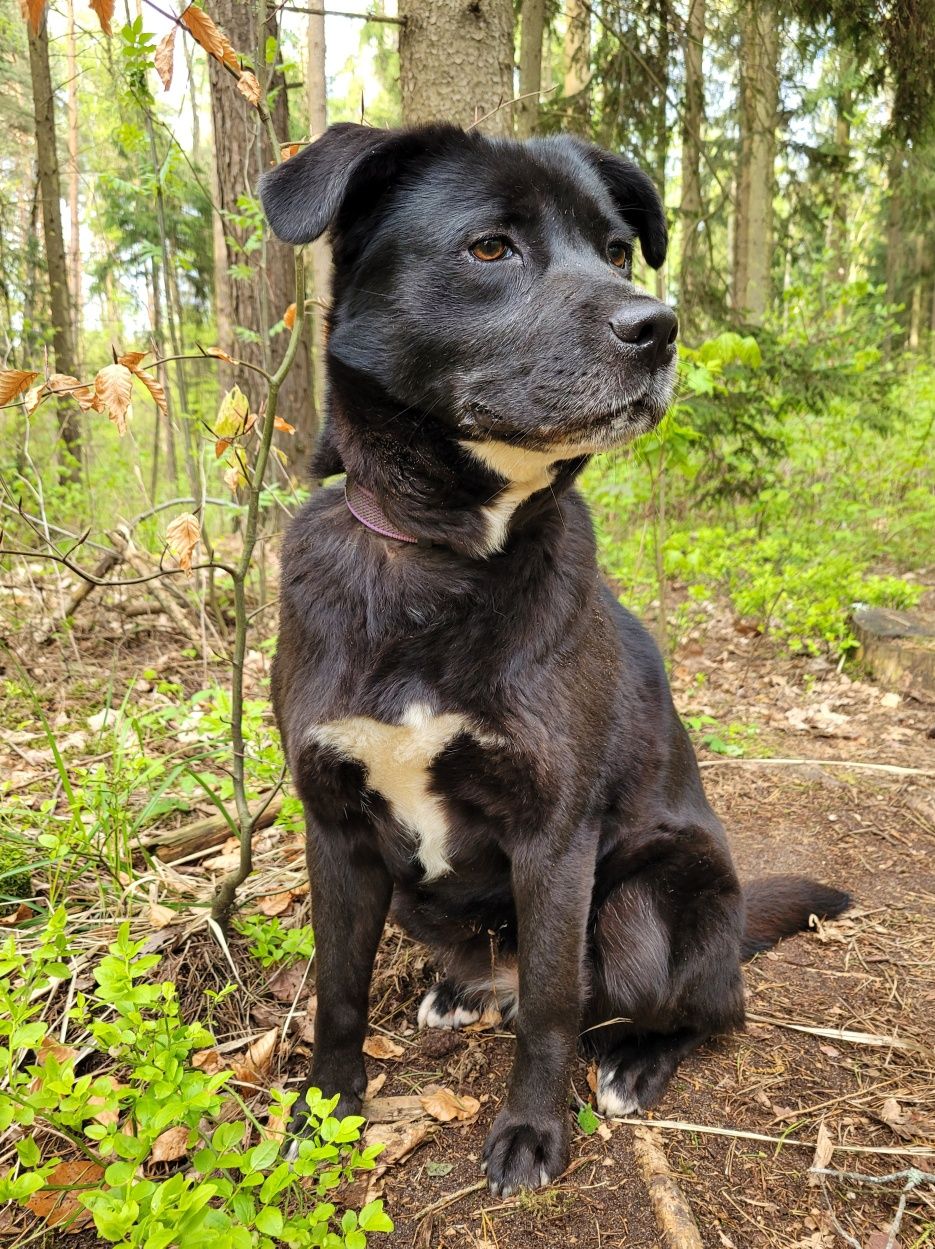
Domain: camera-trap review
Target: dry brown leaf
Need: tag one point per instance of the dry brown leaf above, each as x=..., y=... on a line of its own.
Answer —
x=161, y=916
x=210, y=37
x=23, y=911
x=276, y=903
x=165, y=58
x=170, y=1146
x=13, y=382
x=34, y=397
x=218, y=354
x=906, y=1122
x=32, y=11
x=183, y=535
x=283, y=426
x=446, y=1106
x=382, y=1047
x=208, y=1061
x=288, y=149
x=824, y=1149
x=105, y=12
x=113, y=386
x=234, y=478
x=155, y=388
x=374, y=1086
x=50, y=1048
x=252, y=1066
x=395, y=1109
x=249, y=88
x=220, y=447
x=277, y=1122
x=59, y=1202
x=133, y=359
x=288, y=317
x=110, y=1115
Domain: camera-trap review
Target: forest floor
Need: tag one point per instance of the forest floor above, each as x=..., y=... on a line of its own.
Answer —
x=838, y=1051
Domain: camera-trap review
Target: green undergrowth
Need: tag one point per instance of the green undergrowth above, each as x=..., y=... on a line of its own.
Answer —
x=89, y=1139
x=792, y=500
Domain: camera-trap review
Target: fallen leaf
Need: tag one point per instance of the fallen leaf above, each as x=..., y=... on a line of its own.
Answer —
x=165, y=58
x=109, y=1114
x=59, y=1202
x=283, y=426
x=906, y=1122
x=23, y=911
x=377, y=1046
x=161, y=916
x=251, y=1067
x=209, y=1061
x=824, y=1149
x=170, y=1146
x=890, y=700
x=275, y=903
x=209, y=36
x=249, y=88
x=105, y=12
x=113, y=387
x=276, y=1123
x=14, y=381
x=288, y=317
x=446, y=1106
x=183, y=535
x=50, y=1048
x=288, y=982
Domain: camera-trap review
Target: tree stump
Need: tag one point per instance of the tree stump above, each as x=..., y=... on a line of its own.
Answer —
x=898, y=647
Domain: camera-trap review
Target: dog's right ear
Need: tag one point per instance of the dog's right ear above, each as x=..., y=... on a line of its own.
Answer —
x=301, y=197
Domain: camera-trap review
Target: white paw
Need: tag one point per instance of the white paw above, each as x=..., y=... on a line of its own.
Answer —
x=430, y=1016
x=291, y=1151
x=613, y=1100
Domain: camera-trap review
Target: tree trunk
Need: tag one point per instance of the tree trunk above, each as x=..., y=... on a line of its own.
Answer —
x=50, y=191
x=759, y=104
x=530, y=67
x=837, y=217
x=577, y=89
x=691, y=209
x=319, y=252
x=456, y=62
x=661, y=135
x=74, y=242
x=255, y=301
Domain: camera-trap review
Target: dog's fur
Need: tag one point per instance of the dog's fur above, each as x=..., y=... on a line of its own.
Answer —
x=480, y=734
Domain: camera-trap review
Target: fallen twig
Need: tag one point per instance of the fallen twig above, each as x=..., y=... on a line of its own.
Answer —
x=819, y=763
x=670, y=1206
x=202, y=834
x=677, y=1125
x=838, y=1034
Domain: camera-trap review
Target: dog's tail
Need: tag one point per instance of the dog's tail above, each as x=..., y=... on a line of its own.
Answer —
x=778, y=906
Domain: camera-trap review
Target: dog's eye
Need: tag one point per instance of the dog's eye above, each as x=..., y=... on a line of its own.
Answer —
x=494, y=247
x=619, y=254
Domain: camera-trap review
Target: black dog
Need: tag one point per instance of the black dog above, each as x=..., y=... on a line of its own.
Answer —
x=479, y=732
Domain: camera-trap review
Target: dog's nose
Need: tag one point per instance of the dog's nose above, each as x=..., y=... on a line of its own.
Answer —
x=648, y=326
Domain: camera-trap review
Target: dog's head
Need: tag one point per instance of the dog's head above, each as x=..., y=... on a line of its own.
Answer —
x=487, y=283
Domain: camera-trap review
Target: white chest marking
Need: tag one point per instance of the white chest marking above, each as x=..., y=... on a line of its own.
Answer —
x=397, y=759
x=526, y=472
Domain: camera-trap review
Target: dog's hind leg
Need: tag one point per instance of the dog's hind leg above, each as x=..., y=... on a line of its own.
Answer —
x=478, y=979
x=665, y=975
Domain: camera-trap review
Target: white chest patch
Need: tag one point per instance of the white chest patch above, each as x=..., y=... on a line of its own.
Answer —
x=526, y=472
x=397, y=759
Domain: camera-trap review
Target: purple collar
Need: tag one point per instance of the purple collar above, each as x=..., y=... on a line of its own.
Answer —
x=364, y=507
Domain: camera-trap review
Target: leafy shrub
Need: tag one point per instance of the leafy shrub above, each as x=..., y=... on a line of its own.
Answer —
x=237, y=1195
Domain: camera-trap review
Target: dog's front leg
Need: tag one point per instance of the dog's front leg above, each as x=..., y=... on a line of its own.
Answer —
x=351, y=891
x=528, y=1145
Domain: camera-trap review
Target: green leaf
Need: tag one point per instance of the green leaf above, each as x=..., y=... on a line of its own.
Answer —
x=269, y=1221
x=373, y=1218
x=588, y=1121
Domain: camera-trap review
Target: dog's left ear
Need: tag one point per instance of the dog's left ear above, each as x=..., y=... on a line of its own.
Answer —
x=302, y=196
x=637, y=201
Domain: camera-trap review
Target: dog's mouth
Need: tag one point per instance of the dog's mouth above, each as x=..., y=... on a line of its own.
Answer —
x=586, y=434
